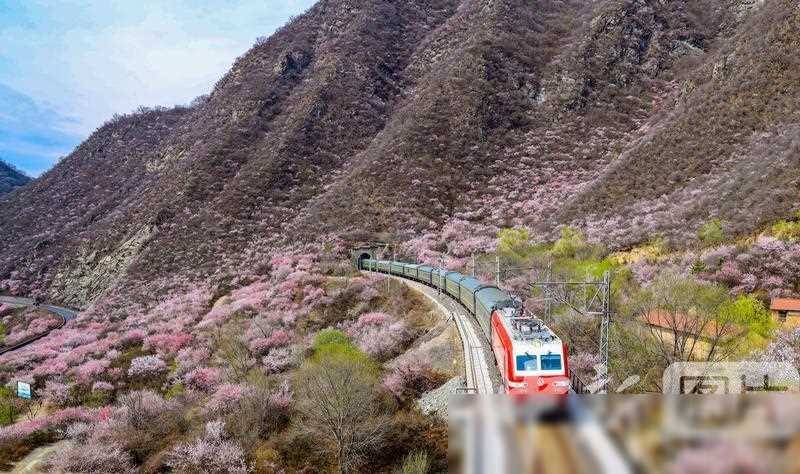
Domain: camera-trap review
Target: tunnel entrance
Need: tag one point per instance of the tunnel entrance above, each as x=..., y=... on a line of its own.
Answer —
x=361, y=253
x=361, y=258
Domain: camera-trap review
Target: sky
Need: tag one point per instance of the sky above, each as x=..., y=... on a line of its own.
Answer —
x=67, y=66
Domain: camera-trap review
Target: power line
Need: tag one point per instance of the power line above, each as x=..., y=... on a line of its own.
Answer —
x=588, y=298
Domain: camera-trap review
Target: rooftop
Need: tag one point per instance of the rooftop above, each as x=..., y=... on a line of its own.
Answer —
x=785, y=304
x=688, y=324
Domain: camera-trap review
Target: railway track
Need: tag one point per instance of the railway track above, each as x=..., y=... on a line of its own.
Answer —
x=476, y=367
x=64, y=314
x=494, y=441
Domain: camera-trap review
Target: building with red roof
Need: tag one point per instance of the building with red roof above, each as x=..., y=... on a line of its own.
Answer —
x=786, y=310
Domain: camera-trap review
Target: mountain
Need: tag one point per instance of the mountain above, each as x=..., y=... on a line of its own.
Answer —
x=11, y=178
x=390, y=119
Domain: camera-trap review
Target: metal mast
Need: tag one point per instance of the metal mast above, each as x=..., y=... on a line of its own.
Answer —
x=605, y=321
x=588, y=298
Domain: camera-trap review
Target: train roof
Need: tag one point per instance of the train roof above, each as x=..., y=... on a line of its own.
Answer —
x=453, y=276
x=524, y=327
x=521, y=327
x=490, y=296
x=470, y=283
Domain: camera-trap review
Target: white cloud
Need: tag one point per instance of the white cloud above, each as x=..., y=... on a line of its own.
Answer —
x=111, y=57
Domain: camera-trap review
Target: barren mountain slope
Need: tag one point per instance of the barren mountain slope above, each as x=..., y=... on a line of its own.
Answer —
x=10, y=178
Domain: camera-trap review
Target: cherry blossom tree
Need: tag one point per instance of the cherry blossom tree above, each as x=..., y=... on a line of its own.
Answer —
x=147, y=366
x=213, y=453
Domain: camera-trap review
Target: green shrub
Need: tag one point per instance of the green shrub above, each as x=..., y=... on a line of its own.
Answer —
x=97, y=399
x=747, y=311
x=570, y=244
x=787, y=230
x=415, y=463
x=174, y=391
x=330, y=337
x=711, y=233
x=8, y=406
x=514, y=244
x=649, y=251
x=593, y=268
x=334, y=345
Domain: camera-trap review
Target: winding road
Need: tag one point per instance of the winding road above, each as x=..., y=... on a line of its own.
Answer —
x=64, y=314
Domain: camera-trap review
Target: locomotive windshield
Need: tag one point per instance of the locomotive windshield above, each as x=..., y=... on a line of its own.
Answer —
x=526, y=362
x=551, y=362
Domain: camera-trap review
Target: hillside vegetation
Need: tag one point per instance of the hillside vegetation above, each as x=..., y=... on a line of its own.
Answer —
x=362, y=120
x=222, y=328
x=11, y=178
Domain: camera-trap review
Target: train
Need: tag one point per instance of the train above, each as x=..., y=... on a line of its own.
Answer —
x=531, y=358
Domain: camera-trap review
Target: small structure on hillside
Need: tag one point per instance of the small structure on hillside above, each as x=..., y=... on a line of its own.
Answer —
x=786, y=311
x=692, y=334
x=363, y=252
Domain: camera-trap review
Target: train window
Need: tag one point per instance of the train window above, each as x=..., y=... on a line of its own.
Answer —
x=526, y=362
x=551, y=362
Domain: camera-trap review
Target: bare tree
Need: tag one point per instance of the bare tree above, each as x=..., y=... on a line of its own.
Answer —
x=685, y=319
x=235, y=352
x=338, y=402
x=258, y=413
x=32, y=409
x=147, y=423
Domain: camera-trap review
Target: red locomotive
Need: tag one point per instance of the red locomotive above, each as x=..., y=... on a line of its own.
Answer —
x=531, y=358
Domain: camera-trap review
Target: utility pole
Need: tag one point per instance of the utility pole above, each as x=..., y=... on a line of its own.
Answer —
x=548, y=277
x=441, y=268
x=605, y=322
x=497, y=270
x=388, y=278
x=473, y=265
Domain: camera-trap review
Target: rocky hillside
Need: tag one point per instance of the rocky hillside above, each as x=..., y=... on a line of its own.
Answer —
x=379, y=118
x=11, y=178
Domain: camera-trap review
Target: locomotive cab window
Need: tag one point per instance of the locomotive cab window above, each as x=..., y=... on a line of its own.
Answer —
x=551, y=362
x=526, y=362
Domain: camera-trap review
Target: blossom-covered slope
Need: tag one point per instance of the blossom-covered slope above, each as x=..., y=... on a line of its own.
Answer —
x=397, y=119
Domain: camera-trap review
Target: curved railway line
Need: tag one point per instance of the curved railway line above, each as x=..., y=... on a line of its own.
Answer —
x=64, y=315
x=478, y=372
x=581, y=445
